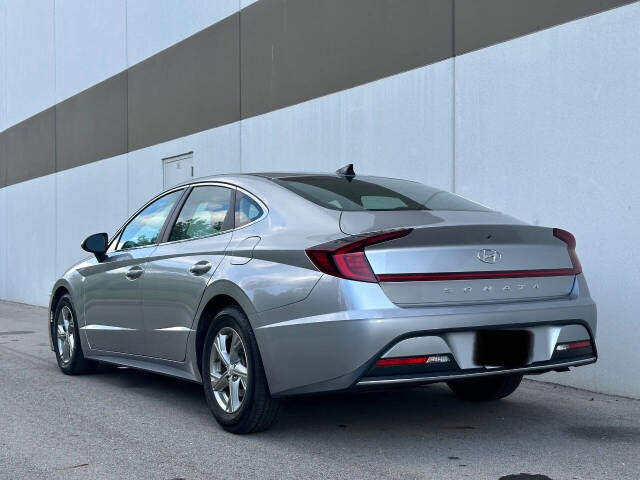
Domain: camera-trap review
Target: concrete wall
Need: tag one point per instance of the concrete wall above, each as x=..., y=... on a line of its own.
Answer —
x=547, y=130
x=543, y=127
x=56, y=49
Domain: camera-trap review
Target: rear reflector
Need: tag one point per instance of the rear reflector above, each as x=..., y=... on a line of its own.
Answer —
x=346, y=258
x=394, y=362
x=573, y=345
x=563, y=235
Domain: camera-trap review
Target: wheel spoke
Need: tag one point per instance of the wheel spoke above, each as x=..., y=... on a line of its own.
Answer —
x=234, y=398
x=241, y=371
x=66, y=315
x=60, y=330
x=218, y=382
x=227, y=406
x=72, y=343
x=221, y=348
x=236, y=347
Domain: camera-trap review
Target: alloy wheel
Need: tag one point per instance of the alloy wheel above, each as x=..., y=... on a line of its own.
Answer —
x=65, y=334
x=228, y=370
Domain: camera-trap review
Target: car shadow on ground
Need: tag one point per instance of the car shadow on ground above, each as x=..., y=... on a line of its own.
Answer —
x=407, y=427
x=401, y=409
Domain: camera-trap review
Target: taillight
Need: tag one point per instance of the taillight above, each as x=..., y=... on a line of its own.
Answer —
x=346, y=258
x=570, y=240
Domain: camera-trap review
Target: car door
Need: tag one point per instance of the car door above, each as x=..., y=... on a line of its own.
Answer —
x=112, y=288
x=177, y=274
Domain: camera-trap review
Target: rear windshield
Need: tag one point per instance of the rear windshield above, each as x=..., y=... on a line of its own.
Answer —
x=374, y=194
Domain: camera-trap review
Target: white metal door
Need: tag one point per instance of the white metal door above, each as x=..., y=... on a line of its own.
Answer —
x=177, y=169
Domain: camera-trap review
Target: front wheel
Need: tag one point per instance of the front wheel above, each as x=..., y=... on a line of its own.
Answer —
x=66, y=340
x=235, y=384
x=486, y=388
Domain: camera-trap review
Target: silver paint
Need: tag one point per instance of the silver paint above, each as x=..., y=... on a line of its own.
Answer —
x=316, y=332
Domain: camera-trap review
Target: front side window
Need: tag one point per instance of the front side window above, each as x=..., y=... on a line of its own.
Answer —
x=375, y=193
x=247, y=210
x=144, y=229
x=206, y=212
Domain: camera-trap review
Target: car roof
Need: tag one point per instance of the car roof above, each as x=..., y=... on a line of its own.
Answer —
x=272, y=175
x=266, y=175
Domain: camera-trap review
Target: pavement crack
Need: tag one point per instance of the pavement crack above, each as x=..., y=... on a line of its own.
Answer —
x=74, y=466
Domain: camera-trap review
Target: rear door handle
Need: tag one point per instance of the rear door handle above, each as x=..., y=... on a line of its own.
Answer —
x=200, y=268
x=134, y=272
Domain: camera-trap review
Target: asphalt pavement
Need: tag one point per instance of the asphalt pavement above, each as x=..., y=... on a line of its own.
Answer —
x=125, y=424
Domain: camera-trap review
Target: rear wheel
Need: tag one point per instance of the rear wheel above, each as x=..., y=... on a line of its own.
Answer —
x=486, y=388
x=234, y=382
x=66, y=340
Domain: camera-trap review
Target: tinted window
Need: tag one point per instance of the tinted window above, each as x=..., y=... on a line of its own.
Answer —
x=145, y=227
x=374, y=193
x=247, y=210
x=204, y=213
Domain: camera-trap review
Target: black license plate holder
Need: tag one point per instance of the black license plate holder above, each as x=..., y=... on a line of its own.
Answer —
x=503, y=348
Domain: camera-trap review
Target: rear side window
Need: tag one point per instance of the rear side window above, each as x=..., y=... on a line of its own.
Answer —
x=206, y=212
x=375, y=194
x=247, y=210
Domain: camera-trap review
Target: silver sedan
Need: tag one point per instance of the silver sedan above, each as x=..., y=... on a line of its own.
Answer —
x=261, y=286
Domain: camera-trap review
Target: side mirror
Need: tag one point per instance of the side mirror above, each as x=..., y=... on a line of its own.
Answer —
x=96, y=244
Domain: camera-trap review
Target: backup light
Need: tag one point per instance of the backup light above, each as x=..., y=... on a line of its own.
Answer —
x=438, y=359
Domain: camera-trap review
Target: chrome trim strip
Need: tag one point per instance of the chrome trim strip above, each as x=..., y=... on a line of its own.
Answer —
x=478, y=374
x=94, y=326
x=173, y=329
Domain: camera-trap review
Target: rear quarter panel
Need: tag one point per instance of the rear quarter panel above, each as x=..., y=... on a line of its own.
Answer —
x=276, y=271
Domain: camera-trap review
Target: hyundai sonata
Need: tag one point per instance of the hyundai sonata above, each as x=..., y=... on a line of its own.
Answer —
x=266, y=285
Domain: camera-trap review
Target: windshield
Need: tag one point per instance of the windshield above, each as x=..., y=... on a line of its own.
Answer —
x=375, y=194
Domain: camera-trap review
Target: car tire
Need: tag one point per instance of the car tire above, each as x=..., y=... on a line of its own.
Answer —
x=257, y=409
x=66, y=340
x=486, y=388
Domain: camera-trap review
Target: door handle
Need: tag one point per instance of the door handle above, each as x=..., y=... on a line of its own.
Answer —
x=200, y=268
x=134, y=272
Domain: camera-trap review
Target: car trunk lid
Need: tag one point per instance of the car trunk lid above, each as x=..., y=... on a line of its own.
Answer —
x=464, y=257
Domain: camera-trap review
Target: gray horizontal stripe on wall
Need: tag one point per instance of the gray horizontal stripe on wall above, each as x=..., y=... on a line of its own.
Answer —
x=296, y=50
x=480, y=23
x=29, y=148
x=192, y=86
x=270, y=55
x=92, y=124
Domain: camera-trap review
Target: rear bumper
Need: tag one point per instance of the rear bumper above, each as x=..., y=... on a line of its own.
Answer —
x=420, y=379
x=330, y=340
